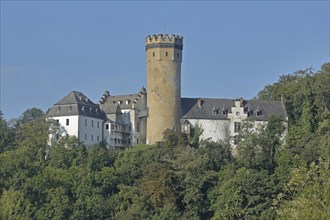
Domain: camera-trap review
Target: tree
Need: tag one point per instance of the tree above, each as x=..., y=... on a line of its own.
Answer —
x=31, y=115
x=7, y=135
x=307, y=194
x=257, y=150
x=242, y=193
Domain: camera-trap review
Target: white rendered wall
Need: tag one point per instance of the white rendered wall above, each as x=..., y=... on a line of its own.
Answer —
x=72, y=128
x=78, y=128
x=212, y=129
x=90, y=130
x=107, y=134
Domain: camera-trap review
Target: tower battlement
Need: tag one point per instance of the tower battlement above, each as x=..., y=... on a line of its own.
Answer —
x=161, y=40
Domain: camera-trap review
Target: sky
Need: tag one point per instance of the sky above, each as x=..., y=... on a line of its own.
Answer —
x=231, y=48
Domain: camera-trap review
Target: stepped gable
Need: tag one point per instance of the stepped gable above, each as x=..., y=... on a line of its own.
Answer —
x=76, y=103
x=191, y=109
x=125, y=101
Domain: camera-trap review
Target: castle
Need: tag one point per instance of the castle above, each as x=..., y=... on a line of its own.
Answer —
x=125, y=120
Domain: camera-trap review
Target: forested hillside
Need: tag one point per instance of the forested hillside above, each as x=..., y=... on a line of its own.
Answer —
x=184, y=177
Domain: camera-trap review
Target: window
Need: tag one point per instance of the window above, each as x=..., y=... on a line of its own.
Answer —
x=67, y=122
x=236, y=140
x=112, y=127
x=166, y=53
x=85, y=136
x=153, y=54
x=92, y=137
x=107, y=126
x=258, y=113
x=137, y=140
x=92, y=123
x=237, y=126
x=85, y=122
x=177, y=55
x=98, y=124
x=98, y=138
x=138, y=126
x=57, y=121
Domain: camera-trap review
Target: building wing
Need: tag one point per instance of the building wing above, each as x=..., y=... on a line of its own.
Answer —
x=76, y=103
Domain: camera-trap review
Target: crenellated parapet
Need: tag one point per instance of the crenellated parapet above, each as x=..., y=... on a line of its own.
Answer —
x=164, y=41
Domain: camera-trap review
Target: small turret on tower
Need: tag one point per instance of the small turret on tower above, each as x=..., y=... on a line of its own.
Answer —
x=163, y=58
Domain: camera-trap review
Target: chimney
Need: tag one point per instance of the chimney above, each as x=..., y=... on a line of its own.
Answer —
x=241, y=101
x=199, y=102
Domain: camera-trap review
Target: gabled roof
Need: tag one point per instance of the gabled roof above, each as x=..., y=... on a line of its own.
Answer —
x=191, y=110
x=125, y=101
x=111, y=108
x=76, y=103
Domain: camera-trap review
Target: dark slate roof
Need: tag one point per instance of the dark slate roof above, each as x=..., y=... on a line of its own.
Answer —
x=191, y=110
x=121, y=99
x=111, y=108
x=76, y=103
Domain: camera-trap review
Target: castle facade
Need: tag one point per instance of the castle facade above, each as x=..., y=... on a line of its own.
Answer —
x=125, y=120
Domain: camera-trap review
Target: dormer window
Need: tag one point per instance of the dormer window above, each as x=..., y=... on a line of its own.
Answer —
x=83, y=108
x=224, y=112
x=127, y=102
x=58, y=108
x=258, y=112
x=119, y=102
x=214, y=111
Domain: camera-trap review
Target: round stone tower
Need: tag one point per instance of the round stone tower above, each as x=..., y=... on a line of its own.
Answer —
x=163, y=57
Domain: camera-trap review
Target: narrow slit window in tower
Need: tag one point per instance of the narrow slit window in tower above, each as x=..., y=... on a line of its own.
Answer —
x=166, y=53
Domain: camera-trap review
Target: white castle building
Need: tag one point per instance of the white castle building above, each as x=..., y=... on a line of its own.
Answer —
x=125, y=120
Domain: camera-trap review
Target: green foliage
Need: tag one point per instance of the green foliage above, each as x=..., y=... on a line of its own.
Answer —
x=257, y=150
x=7, y=135
x=242, y=193
x=194, y=136
x=307, y=194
